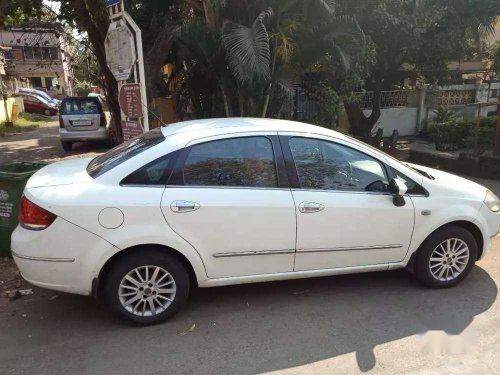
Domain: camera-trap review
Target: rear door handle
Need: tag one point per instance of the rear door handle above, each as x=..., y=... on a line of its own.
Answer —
x=310, y=207
x=184, y=206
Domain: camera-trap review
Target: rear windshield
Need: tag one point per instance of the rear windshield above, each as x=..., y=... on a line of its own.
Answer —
x=81, y=106
x=124, y=152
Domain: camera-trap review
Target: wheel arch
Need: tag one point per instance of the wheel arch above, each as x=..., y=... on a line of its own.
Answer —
x=468, y=225
x=97, y=282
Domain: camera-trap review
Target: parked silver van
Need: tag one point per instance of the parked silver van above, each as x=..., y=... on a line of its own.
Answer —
x=82, y=119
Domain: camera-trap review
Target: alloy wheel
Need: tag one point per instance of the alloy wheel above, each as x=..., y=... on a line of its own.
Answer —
x=147, y=290
x=449, y=259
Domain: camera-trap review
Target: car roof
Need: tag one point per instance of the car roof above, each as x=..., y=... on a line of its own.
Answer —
x=246, y=124
x=34, y=95
x=80, y=98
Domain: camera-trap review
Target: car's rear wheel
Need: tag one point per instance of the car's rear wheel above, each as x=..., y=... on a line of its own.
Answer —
x=47, y=112
x=147, y=287
x=66, y=145
x=446, y=257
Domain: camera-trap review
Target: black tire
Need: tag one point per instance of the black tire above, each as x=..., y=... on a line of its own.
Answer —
x=422, y=262
x=140, y=258
x=66, y=145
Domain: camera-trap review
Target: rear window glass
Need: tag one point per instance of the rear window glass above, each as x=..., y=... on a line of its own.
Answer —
x=81, y=106
x=124, y=152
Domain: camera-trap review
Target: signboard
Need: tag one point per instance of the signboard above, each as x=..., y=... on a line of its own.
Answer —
x=131, y=129
x=130, y=100
x=120, y=50
x=110, y=3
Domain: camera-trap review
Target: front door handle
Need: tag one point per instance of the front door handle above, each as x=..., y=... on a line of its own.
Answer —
x=184, y=206
x=310, y=207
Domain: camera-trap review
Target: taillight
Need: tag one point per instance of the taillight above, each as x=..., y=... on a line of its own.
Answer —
x=103, y=119
x=61, y=122
x=34, y=217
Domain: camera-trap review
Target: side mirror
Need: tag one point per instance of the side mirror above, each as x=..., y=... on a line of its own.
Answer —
x=398, y=189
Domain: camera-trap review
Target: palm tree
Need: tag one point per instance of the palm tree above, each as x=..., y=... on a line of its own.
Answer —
x=256, y=47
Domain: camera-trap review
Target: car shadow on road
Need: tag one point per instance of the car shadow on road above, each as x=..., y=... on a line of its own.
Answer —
x=262, y=327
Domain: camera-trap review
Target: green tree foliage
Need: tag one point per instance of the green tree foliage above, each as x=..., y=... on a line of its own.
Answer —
x=413, y=38
x=85, y=66
x=257, y=48
x=242, y=57
x=18, y=12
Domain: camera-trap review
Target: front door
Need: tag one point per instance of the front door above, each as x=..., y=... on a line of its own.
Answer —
x=345, y=215
x=228, y=200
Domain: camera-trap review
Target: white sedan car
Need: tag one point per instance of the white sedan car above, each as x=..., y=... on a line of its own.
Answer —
x=228, y=201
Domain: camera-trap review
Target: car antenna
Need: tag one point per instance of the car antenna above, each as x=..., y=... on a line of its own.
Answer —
x=162, y=124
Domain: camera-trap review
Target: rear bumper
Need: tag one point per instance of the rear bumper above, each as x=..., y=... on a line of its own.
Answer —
x=100, y=134
x=50, y=274
x=47, y=259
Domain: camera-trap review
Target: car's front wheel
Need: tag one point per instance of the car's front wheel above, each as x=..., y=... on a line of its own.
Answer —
x=147, y=287
x=446, y=257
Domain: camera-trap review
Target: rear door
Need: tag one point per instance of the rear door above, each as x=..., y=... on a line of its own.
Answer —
x=81, y=114
x=228, y=197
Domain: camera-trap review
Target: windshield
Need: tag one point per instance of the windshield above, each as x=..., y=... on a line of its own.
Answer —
x=124, y=152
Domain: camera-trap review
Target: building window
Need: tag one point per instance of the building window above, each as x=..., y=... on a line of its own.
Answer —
x=36, y=81
x=48, y=82
x=41, y=53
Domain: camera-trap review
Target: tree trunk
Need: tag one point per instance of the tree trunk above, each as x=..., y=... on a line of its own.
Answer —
x=273, y=66
x=241, y=103
x=226, y=104
x=92, y=16
x=362, y=125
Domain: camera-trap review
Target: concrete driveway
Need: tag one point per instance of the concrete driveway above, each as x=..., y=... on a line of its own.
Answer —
x=42, y=144
x=377, y=322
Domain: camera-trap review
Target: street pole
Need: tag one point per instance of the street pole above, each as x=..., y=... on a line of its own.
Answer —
x=118, y=14
x=140, y=66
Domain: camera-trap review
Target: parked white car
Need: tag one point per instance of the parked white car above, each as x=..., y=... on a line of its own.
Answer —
x=228, y=201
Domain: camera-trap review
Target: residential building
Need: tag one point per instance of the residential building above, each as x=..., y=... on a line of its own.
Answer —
x=39, y=57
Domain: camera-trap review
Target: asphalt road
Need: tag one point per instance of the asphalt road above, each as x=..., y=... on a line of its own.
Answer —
x=378, y=322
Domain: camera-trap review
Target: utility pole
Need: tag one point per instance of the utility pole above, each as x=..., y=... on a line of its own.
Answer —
x=125, y=59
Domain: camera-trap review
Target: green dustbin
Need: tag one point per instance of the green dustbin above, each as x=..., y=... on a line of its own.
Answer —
x=13, y=178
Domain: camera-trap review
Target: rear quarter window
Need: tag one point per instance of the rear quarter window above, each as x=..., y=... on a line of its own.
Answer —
x=124, y=152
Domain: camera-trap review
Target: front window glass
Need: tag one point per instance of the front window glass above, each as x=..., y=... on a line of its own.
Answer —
x=124, y=152
x=246, y=162
x=77, y=106
x=323, y=165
